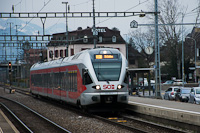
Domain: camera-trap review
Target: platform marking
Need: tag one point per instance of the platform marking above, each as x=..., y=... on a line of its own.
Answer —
x=115, y=118
x=186, y=111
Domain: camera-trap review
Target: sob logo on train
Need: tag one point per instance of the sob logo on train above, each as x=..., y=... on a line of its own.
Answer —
x=106, y=87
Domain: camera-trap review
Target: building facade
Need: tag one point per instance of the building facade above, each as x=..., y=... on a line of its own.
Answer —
x=82, y=39
x=192, y=41
x=32, y=56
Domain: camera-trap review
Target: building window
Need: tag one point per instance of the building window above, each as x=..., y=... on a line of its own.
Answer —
x=56, y=53
x=100, y=39
x=132, y=61
x=65, y=53
x=72, y=51
x=50, y=54
x=72, y=38
x=61, y=53
x=118, y=49
x=85, y=40
x=84, y=49
x=114, y=39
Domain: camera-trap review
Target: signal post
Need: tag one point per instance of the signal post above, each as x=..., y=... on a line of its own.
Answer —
x=10, y=72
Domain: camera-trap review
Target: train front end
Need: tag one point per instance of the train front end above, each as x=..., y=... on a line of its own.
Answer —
x=109, y=80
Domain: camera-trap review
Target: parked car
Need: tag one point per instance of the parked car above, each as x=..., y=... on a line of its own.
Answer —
x=179, y=82
x=182, y=94
x=194, y=96
x=170, y=93
x=169, y=82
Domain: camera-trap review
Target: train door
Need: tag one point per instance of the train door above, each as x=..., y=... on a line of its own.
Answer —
x=64, y=86
x=56, y=88
x=51, y=84
x=45, y=87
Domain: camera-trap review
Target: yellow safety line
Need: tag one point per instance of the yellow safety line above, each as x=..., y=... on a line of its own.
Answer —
x=122, y=121
x=115, y=118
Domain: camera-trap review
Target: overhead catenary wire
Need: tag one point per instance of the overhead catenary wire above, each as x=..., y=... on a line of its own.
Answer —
x=125, y=11
x=45, y=4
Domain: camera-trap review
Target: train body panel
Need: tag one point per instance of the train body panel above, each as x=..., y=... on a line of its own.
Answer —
x=87, y=78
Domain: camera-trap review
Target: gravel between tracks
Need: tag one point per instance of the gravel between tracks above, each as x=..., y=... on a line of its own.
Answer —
x=67, y=119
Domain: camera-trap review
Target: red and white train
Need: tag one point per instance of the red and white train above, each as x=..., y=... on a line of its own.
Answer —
x=96, y=77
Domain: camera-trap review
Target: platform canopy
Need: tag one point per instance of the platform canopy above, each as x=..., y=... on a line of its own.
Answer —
x=142, y=70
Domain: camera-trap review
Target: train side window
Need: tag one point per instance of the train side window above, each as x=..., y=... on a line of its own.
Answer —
x=51, y=79
x=126, y=79
x=66, y=80
x=75, y=83
x=61, y=80
x=86, y=77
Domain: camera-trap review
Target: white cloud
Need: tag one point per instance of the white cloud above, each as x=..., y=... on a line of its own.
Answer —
x=2, y=28
x=4, y=18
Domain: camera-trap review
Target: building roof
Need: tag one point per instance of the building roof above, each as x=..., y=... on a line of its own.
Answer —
x=78, y=36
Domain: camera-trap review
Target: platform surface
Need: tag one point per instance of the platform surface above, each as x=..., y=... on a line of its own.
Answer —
x=6, y=125
x=173, y=110
x=166, y=103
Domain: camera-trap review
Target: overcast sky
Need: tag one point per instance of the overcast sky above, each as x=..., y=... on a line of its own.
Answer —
x=123, y=24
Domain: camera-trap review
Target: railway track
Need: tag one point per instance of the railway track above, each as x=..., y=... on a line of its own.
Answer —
x=125, y=122
x=137, y=125
x=26, y=119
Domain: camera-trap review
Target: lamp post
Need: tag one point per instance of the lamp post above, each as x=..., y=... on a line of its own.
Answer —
x=195, y=61
x=67, y=44
x=95, y=33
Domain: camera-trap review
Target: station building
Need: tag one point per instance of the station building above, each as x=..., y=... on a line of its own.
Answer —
x=82, y=39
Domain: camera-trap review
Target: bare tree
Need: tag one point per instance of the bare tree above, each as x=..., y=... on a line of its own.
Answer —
x=142, y=40
x=171, y=12
x=198, y=11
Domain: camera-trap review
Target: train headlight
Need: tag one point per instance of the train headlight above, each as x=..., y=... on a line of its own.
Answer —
x=119, y=87
x=98, y=87
x=104, y=52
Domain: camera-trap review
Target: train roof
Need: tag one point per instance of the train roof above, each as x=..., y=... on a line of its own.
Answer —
x=65, y=60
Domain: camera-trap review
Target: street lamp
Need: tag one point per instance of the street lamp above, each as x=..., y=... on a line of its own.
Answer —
x=195, y=77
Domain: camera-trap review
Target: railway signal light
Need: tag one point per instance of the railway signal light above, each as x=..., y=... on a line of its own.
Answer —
x=9, y=67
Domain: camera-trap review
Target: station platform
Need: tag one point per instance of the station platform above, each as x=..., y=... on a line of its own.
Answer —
x=6, y=125
x=173, y=110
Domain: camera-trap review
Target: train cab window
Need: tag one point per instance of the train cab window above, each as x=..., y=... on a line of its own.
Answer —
x=86, y=77
x=107, y=71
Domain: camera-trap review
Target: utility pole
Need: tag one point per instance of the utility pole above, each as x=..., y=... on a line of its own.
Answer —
x=157, y=55
x=67, y=44
x=17, y=58
x=94, y=27
x=5, y=46
x=43, y=19
x=183, y=71
x=16, y=29
x=10, y=27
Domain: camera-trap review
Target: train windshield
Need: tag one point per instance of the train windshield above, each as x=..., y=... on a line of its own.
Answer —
x=107, y=71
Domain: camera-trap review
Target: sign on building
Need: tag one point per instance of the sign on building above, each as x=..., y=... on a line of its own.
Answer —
x=134, y=24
